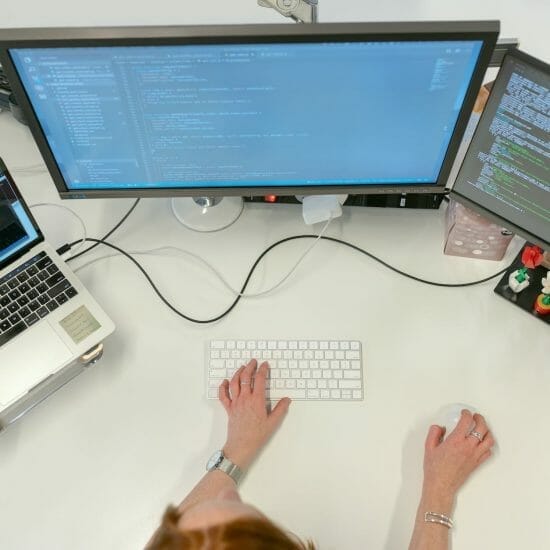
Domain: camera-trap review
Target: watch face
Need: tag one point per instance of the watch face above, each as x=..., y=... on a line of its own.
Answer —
x=215, y=459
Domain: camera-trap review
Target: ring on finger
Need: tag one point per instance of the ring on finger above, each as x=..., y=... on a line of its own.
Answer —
x=244, y=382
x=477, y=435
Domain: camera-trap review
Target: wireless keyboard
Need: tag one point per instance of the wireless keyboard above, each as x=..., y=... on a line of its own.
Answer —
x=321, y=370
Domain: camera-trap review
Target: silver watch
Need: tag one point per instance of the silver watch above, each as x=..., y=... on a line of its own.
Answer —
x=218, y=461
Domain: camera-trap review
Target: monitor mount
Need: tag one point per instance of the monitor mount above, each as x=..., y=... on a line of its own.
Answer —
x=302, y=11
x=207, y=214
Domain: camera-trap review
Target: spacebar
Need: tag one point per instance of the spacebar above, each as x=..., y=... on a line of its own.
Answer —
x=280, y=393
x=5, y=337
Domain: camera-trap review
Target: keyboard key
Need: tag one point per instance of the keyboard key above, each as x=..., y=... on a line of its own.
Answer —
x=42, y=312
x=12, y=332
x=14, y=294
x=44, y=262
x=61, y=299
x=42, y=287
x=349, y=384
x=4, y=301
x=24, y=311
x=32, y=294
x=31, y=319
x=13, y=283
x=4, y=289
x=279, y=394
x=52, y=305
x=71, y=292
x=352, y=374
x=14, y=319
x=24, y=288
x=54, y=279
x=59, y=288
x=217, y=373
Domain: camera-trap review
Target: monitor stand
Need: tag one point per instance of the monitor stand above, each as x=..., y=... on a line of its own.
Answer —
x=207, y=214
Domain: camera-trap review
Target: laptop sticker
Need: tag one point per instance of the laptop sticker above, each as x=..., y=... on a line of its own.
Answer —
x=80, y=324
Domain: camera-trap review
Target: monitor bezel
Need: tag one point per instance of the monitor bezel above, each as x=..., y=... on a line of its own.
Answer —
x=484, y=211
x=484, y=31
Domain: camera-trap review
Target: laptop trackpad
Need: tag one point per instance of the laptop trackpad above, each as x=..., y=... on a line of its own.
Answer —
x=29, y=359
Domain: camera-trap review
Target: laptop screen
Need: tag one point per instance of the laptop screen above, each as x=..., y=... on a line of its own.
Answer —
x=18, y=231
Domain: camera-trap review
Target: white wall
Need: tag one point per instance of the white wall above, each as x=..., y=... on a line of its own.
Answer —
x=527, y=20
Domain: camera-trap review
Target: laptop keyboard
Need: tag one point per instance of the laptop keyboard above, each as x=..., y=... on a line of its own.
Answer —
x=29, y=293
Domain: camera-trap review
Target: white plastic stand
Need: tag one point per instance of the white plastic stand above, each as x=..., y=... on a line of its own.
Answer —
x=207, y=214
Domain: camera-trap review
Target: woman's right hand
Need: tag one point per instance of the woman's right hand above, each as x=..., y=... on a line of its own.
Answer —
x=449, y=462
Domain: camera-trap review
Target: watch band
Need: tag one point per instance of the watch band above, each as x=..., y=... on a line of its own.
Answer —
x=218, y=461
x=232, y=470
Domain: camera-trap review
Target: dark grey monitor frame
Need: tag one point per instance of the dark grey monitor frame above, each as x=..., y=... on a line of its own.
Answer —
x=485, y=31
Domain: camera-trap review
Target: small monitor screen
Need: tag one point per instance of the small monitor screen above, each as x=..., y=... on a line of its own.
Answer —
x=249, y=115
x=506, y=170
x=17, y=230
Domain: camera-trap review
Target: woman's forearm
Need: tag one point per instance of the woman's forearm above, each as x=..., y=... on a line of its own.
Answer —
x=209, y=487
x=427, y=535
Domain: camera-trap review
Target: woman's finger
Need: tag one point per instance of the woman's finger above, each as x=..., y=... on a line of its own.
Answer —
x=260, y=380
x=235, y=385
x=223, y=395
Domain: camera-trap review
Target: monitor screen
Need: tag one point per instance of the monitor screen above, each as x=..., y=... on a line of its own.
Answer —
x=506, y=171
x=254, y=109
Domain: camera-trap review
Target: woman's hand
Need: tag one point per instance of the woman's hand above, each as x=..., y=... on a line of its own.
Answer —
x=249, y=425
x=448, y=463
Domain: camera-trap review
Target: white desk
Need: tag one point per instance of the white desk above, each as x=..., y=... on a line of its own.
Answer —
x=94, y=466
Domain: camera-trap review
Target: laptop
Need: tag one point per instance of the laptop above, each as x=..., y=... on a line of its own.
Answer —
x=48, y=320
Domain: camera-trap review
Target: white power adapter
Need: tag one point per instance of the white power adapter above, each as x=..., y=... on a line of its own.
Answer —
x=320, y=208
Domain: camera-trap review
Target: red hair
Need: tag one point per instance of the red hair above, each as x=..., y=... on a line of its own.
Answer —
x=240, y=534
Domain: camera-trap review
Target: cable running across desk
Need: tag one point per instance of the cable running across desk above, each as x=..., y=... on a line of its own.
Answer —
x=259, y=259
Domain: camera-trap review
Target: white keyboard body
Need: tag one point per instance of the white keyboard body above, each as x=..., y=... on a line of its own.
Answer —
x=320, y=370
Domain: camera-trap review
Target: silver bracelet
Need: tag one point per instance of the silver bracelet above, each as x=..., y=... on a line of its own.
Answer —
x=442, y=519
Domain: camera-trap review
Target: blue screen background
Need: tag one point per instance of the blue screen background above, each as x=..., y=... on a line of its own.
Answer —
x=248, y=115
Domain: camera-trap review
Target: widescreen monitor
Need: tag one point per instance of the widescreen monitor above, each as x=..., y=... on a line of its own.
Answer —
x=249, y=110
x=505, y=174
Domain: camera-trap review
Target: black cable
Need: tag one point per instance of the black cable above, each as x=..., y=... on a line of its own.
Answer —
x=157, y=291
x=125, y=217
x=258, y=260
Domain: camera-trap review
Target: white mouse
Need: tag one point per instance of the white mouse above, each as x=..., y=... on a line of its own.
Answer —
x=449, y=415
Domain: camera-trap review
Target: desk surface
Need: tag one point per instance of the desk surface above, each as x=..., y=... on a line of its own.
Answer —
x=94, y=466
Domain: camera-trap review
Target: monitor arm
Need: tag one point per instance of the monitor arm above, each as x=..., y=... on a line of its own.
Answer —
x=302, y=11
